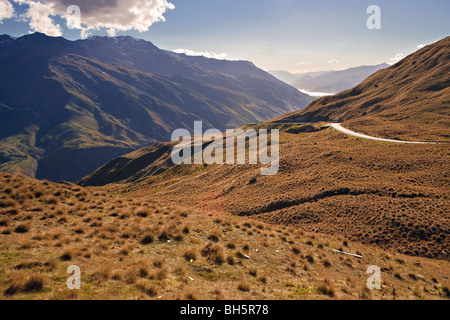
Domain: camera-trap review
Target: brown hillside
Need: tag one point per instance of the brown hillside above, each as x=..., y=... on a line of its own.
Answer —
x=408, y=101
x=130, y=246
x=387, y=195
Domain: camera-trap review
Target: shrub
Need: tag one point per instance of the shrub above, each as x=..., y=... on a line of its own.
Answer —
x=446, y=292
x=190, y=254
x=214, y=236
x=79, y=231
x=164, y=236
x=214, y=253
x=143, y=212
x=296, y=250
x=412, y=276
x=147, y=239
x=34, y=284
x=66, y=256
x=147, y=288
x=310, y=258
x=326, y=290
x=22, y=228
x=231, y=246
x=186, y=230
x=191, y=296
x=8, y=203
x=253, y=272
x=178, y=238
x=12, y=290
x=244, y=287
x=5, y=222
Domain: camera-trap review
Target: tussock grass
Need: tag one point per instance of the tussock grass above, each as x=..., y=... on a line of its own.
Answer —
x=116, y=248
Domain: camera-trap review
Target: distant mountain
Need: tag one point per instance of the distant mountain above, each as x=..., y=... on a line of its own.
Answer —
x=328, y=81
x=336, y=81
x=67, y=107
x=290, y=78
x=408, y=101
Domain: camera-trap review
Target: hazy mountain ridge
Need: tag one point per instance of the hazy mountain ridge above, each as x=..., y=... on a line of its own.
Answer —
x=329, y=81
x=114, y=95
x=337, y=81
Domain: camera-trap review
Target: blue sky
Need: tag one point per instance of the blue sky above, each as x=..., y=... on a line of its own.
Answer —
x=292, y=35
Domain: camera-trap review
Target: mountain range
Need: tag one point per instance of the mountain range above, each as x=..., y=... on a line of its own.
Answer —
x=67, y=107
x=290, y=77
x=329, y=82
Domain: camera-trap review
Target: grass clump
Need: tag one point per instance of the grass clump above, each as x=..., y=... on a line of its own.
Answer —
x=147, y=239
x=214, y=253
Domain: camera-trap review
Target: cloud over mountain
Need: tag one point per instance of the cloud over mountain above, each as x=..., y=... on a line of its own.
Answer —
x=212, y=55
x=113, y=15
x=6, y=10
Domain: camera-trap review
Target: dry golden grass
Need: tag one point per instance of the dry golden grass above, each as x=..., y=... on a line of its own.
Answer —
x=245, y=259
x=390, y=196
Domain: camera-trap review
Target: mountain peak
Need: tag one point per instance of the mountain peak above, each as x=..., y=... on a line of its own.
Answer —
x=4, y=38
x=41, y=38
x=117, y=39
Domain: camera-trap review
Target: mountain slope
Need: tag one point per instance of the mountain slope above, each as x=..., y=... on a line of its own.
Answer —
x=132, y=246
x=68, y=107
x=388, y=195
x=408, y=101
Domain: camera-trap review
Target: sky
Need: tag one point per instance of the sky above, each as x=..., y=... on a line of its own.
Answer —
x=291, y=35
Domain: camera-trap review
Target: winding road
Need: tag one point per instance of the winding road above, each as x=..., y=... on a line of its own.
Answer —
x=338, y=127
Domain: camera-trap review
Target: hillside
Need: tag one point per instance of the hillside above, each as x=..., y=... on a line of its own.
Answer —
x=388, y=195
x=67, y=107
x=131, y=246
x=408, y=101
x=327, y=183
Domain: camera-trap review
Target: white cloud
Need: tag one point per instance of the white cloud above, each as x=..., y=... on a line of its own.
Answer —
x=303, y=63
x=6, y=10
x=113, y=15
x=420, y=46
x=333, y=61
x=212, y=55
x=397, y=58
x=40, y=17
